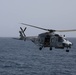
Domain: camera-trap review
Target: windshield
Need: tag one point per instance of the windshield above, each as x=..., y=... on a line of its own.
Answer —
x=60, y=39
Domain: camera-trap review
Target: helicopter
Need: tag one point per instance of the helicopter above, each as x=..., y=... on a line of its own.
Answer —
x=47, y=39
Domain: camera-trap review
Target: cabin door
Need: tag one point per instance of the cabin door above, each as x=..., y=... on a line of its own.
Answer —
x=47, y=41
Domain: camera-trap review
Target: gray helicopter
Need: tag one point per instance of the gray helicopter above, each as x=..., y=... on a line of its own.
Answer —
x=48, y=39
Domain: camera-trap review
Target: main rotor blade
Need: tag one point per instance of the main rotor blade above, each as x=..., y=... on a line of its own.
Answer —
x=70, y=30
x=35, y=26
x=50, y=30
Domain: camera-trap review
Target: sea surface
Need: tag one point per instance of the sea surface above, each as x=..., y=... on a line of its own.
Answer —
x=24, y=58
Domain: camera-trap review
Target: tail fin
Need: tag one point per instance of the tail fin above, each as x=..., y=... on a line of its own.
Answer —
x=22, y=34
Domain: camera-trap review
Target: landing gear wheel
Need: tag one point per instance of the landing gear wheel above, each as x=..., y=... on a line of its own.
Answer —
x=40, y=48
x=67, y=50
x=50, y=48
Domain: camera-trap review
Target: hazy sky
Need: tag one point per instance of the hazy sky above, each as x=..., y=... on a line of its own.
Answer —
x=52, y=14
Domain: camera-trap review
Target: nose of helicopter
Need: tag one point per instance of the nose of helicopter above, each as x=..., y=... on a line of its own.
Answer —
x=70, y=44
x=67, y=43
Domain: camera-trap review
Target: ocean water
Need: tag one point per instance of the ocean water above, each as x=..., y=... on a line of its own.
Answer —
x=24, y=58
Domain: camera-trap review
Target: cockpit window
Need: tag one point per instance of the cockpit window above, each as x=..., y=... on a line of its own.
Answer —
x=60, y=39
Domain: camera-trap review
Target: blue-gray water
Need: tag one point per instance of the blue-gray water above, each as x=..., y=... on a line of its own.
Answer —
x=24, y=58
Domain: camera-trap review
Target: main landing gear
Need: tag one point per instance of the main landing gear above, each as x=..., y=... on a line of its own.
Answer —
x=67, y=50
x=50, y=48
x=40, y=48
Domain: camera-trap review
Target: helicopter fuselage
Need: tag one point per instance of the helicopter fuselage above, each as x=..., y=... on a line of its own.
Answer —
x=53, y=40
x=48, y=39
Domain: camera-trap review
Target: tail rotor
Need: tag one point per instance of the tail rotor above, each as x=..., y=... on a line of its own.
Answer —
x=22, y=34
